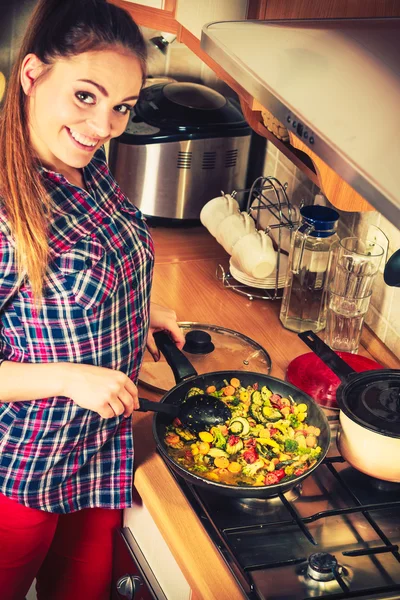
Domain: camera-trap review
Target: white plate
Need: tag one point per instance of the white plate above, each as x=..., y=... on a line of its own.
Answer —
x=257, y=284
x=243, y=277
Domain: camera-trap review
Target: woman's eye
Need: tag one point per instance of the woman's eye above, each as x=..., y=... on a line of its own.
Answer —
x=85, y=97
x=123, y=109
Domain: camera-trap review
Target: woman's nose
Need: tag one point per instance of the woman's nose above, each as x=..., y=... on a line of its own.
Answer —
x=100, y=124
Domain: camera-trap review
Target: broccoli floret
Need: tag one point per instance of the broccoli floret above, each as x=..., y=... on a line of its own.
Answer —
x=199, y=468
x=291, y=446
x=293, y=420
x=301, y=451
x=251, y=469
x=219, y=439
x=194, y=391
x=315, y=452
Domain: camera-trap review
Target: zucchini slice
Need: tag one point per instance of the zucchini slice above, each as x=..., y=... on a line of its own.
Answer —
x=272, y=414
x=216, y=452
x=256, y=398
x=239, y=426
x=266, y=395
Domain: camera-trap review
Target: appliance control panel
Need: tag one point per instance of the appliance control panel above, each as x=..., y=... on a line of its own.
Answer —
x=301, y=130
x=136, y=126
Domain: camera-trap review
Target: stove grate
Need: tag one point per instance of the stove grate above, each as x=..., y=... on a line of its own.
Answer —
x=220, y=536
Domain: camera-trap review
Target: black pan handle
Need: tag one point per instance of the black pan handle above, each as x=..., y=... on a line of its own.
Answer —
x=158, y=407
x=180, y=365
x=326, y=354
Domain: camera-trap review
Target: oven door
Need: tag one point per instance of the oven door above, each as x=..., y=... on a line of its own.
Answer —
x=133, y=578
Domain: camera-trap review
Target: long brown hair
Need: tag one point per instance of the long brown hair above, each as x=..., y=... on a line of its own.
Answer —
x=57, y=28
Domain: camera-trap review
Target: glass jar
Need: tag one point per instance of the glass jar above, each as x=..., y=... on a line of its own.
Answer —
x=304, y=303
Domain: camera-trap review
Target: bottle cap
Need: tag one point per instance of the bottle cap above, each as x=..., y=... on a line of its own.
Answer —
x=322, y=218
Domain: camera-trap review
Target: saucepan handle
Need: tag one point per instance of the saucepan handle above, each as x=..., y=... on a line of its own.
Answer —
x=327, y=355
x=158, y=407
x=180, y=365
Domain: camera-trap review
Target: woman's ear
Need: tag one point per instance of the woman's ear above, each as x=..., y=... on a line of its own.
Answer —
x=31, y=68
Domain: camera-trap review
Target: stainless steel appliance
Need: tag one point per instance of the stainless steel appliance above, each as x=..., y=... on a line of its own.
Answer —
x=183, y=145
x=335, y=536
x=335, y=83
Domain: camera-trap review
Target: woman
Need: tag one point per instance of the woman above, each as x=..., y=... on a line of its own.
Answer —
x=77, y=261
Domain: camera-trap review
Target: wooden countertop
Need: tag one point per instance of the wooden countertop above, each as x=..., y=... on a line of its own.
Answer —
x=185, y=280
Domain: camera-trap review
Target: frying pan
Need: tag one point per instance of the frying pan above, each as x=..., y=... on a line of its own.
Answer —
x=186, y=378
x=369, y=402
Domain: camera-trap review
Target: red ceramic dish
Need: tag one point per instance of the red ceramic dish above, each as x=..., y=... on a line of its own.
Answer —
x=313, y=377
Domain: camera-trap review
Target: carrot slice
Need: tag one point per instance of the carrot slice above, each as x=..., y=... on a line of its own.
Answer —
x=205, y=436
x=210, y=389
x=234, y=467
x=229, y=390
x=221, y=462
x=235, y=382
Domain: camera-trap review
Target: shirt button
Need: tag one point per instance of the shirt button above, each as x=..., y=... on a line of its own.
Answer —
x=127, y=249
x=88, y=262
x=139, y=355
x=139, y=321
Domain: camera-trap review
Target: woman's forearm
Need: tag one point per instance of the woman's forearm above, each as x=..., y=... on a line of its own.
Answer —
x=26, y=381
x=106, y=391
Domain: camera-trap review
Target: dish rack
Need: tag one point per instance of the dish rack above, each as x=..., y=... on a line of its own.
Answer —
x=258, y=200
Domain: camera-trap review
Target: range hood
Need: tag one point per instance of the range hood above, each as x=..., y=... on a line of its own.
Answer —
x=334, y=83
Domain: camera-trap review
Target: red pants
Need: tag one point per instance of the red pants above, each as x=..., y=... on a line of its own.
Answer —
x=70, y=555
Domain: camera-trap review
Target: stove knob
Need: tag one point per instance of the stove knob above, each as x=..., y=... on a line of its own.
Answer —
x=322, y=566
x=198, y=342
x=128, y=586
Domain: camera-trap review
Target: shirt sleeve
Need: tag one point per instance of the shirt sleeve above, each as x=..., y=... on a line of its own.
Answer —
x=9, y=279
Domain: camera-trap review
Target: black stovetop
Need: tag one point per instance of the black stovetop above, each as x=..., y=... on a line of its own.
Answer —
x=348, y=521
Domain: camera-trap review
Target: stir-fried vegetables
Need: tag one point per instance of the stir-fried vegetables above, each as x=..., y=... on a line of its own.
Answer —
x=266, y=441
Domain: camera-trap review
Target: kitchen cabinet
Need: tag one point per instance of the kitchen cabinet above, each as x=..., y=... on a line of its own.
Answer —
x=162, y=19
x=192, y=14
x=329, y=9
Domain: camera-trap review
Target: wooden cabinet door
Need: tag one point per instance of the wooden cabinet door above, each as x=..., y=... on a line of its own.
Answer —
x=162, y=19
x=326, y=9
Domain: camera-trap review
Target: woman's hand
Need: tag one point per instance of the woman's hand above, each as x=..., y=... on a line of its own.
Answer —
x=105, y=391
x=163, y=319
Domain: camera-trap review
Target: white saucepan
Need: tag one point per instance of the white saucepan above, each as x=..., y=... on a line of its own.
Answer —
x=369, y=402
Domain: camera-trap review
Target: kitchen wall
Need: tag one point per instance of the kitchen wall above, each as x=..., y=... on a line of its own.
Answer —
x=13, y=19
x=384, y=314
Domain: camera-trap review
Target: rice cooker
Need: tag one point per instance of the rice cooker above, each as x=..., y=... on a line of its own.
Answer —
x=184, y=144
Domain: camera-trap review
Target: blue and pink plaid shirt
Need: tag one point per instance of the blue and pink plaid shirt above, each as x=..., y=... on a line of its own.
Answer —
x=55, y=455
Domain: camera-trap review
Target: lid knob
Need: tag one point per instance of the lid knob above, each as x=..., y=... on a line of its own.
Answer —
x=198, y=342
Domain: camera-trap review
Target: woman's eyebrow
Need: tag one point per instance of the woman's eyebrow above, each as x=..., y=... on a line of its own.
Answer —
x=104, y=91
x=99, y=87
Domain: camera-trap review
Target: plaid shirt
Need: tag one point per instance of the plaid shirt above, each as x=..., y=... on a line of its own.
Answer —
x=55, y=455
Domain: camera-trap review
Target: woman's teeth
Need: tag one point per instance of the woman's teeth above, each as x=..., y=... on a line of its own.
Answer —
x=82, y=139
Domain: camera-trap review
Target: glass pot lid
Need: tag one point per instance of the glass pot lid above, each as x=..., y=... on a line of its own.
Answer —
x=209, y=348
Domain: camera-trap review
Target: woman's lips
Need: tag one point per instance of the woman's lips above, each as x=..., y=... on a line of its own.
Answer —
x=78, y=144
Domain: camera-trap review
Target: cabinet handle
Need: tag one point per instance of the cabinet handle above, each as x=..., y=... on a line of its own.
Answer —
x=128, y=585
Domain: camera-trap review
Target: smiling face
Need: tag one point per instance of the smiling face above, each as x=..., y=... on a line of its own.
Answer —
x=78, y=104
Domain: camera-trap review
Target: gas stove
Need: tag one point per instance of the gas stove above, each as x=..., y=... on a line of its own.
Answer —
x=336, y=535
